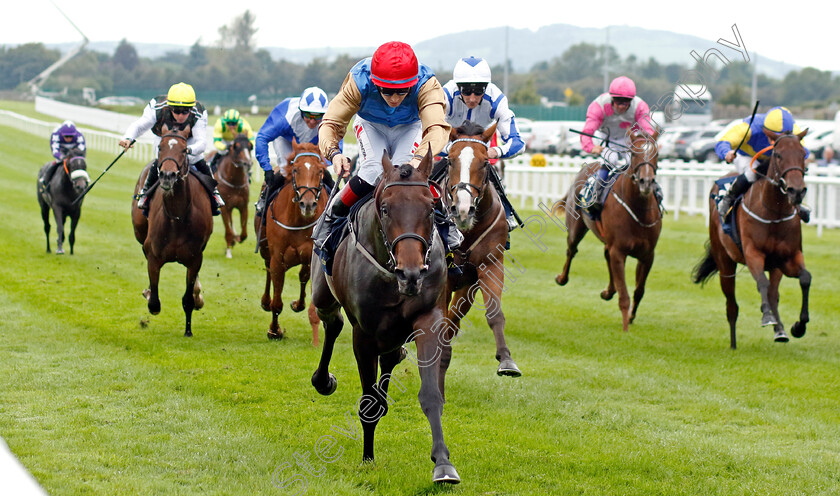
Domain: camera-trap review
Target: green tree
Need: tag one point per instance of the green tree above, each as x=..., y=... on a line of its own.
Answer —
x=198, y=55
x=24, y=62
x=240, y=33
x=126, y=55
x=526, y=94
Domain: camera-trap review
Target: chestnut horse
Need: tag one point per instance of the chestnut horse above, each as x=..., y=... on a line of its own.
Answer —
x=233, y=176
x=768, y=226
x=67, y=183
x=180, y=221
x=630, y=223
x=291, y=216
x=478, y=213
x=389, y=275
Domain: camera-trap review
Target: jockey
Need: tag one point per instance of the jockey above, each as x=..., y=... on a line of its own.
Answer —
x=470, y=96
x=64, y=138
x=178, y=107
x=752, y=139
x=225, y=131
x=614, y=115
x=293, y=119
x=399, y=107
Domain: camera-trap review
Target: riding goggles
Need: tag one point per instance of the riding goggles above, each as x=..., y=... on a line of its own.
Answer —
x=311, y=115
x=473, y=89
x=180, y=110
x=393, y=91
x=617, y=100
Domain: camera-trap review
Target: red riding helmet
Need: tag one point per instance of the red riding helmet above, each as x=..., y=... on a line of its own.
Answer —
x=394, y=65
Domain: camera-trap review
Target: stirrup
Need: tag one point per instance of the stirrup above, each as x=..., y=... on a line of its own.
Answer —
x=511, y=223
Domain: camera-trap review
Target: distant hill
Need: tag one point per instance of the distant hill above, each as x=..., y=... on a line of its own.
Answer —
x=526, y=47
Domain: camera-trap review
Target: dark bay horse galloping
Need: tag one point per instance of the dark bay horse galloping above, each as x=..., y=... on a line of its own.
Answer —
x=477, y=211
x=291, y=216
x=180, y=222
x=768, y=225
x=233, y=176
x=389, y=275
x=630, y=223
x=67, y=183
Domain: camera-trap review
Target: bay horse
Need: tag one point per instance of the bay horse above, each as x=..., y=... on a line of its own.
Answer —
x=389, y=275
x=66, y=184
x=180, y=221
x=233, y=176
x=291, y=216
x=771, y=236
x=478, y=213
x=630, y=223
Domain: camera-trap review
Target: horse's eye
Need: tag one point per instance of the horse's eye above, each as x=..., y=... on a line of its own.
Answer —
x=383, y=210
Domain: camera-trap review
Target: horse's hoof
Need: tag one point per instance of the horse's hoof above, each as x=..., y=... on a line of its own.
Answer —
x=332, y=384
x=278, y=335
x=154, y=307
x=147, y=293
x=445, y=474
x=188, y=333
x=403, y=354
x=606, y=295
x=797, y=330
x=781, y=337
x=561, y=280
x=59, y=251
x=768, y=320
x=508, y=367
x=298, y=306
x=228, y=253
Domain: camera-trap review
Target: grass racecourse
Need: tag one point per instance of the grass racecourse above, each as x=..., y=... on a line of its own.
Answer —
x=99, y=397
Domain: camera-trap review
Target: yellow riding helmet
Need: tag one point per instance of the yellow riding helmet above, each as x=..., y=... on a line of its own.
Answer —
x=181, y=95
x=231, y=117
x=779, y=120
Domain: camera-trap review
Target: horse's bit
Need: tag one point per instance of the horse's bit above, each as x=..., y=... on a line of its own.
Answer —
x=306, y=189
x=452, y=191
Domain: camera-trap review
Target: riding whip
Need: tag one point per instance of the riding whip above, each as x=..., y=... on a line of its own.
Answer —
x=77, y=200
x=755, y=109
x=606, y=140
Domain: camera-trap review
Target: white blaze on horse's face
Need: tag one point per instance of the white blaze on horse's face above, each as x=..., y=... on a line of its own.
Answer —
x=308, y=165
x=465, y=158
x=172, y=142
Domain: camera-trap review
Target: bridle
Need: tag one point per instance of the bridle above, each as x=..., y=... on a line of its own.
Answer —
x=779, y=178
x=181, y=166
x=238, y=144
x=391, y=245
x=452, y=191
x=69, y=161
x=300, y=191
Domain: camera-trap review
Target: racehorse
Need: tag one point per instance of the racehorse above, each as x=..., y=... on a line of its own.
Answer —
x=389, y=275
x=64, y=188
x=180, y=221
x=291, y=216
x=477, y=211
x=233, y=175
x=768, y=226
x=630, y=223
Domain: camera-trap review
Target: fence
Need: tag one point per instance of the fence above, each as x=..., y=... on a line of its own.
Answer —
x=686, y=186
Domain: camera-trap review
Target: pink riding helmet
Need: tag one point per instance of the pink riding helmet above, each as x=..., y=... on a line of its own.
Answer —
x=623, y=87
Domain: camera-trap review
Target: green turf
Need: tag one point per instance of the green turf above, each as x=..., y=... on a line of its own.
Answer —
x=99, y=397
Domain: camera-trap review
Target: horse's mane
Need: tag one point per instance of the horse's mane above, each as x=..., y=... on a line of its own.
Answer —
x=469, y=128
x=75, y=152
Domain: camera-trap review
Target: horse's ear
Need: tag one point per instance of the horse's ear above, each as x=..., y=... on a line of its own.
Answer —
x=772, y=136
x=803, y=133
x=425, y=166
x=387, y=166
x=453, y=133
x=489, y=132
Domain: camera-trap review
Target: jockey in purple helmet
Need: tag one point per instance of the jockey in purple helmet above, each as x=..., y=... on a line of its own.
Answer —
x=612, y=116
x=64, y=138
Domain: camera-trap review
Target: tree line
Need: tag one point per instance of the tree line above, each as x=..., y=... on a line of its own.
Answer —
x=235, y=67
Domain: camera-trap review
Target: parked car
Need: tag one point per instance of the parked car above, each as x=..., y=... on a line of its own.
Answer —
x=817, y=142
x=699, y=139
x=668, y=140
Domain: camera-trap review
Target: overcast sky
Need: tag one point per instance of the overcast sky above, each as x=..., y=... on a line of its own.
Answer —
x=798, y=34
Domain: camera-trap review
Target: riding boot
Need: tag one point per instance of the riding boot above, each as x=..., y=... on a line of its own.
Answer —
x=452, y=239
x=277, y=182
x=659, y=195
x=736, y=189
x=588, y=194
x=44, y=181
x=439, y=170
x=355, y=189
x=217, y=202
x=144, y=194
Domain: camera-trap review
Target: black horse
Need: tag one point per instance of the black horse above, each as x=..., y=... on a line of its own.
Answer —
x=59, y=194
x=389, y=276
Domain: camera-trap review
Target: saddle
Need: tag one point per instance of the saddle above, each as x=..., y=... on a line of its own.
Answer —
x=339, y=231
x=600, y=193
x=207, y=182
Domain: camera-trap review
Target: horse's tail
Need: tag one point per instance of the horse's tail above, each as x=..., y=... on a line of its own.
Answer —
x=706, y=268
x=559, y=206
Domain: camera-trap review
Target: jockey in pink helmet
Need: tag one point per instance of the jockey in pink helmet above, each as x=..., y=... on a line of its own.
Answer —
x=612, y=116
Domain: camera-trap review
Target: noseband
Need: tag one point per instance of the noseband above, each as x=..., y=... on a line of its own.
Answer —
x=779, y=178
x=452, y=191
x=300, y=191
x=391, y=246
